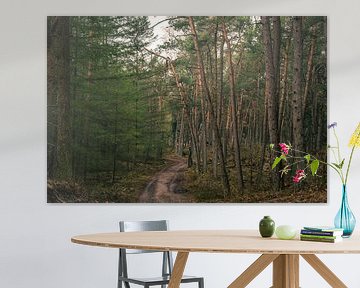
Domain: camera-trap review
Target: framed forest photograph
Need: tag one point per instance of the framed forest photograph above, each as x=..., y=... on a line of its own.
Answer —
x=186, y=109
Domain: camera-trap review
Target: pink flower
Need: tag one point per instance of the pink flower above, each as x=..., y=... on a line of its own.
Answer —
x=300, y=171
x=299, y=175
x=284, y=148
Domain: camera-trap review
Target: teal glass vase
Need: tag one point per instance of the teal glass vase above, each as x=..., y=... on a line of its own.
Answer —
x=345, y=219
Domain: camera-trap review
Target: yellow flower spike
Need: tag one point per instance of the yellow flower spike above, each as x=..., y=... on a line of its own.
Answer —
x=355, y=138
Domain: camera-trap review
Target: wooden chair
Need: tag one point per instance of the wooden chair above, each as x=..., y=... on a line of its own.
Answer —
x=167, y=262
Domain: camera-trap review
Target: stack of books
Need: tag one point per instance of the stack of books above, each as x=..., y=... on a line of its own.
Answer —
x=321, y=234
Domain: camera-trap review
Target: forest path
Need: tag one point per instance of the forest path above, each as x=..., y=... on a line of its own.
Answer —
x=164, y=186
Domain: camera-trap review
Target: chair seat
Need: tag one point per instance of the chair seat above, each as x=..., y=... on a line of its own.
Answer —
x=158, y=280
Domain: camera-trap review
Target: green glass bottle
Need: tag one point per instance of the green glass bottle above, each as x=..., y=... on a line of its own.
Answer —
x=266, y=226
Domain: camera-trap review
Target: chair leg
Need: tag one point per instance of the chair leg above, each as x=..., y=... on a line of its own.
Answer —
x=201, y=283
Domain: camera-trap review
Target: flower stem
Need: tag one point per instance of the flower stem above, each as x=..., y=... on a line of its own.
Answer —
x=336, y=169
x=348, y=166
x=339, y=158
x=338, y=146
x=350, y=159
x=333, y=152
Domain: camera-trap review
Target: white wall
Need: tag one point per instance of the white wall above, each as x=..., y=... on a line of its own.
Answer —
x=35, y=248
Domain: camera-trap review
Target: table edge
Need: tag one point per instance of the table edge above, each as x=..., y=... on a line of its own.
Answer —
x=205, y=250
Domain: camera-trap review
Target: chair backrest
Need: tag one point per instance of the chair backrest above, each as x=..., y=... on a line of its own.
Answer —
x=134, y=226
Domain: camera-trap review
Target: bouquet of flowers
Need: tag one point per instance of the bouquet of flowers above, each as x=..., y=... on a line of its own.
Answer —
x=344, y=219
x=311, y=163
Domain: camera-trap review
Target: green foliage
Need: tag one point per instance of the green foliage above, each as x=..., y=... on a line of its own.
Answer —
x=278, y=160
x=314, y=167
x=340, y=165
x=204, y=187
x=119, y=115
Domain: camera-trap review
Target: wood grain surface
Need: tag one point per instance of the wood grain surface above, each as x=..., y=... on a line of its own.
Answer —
x=217, y=241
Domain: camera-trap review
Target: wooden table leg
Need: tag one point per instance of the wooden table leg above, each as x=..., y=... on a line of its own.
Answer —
x=293, y=262
x=253, y=270
x=324, y=271
x=286, y=271
x=178, y=270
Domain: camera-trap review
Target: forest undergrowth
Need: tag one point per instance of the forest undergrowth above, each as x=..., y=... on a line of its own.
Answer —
x=195, y=187
x=101, y=189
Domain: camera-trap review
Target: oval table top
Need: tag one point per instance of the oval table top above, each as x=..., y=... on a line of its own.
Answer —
x=217, y=241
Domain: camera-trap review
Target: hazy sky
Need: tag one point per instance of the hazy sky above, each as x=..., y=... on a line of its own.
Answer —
x=159, y=30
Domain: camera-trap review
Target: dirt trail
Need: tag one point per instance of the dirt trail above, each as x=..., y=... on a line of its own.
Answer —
x=164, y=186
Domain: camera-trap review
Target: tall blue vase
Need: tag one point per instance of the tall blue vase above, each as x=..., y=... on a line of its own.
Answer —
x=345, y=219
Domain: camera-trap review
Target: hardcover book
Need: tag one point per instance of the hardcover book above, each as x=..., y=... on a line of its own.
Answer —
x=319, y=237
x=323, y=228
x=321, y=232
x=326, y=240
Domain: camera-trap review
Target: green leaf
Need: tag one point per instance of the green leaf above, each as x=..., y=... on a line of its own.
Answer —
x=276, y=162
x=342, y=163
x=272, y=146
x=336, y=165
x=314, y=167
x=339, y=166
x=307, y=157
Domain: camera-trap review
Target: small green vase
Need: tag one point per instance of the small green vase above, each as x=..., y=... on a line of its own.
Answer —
x=266, y=226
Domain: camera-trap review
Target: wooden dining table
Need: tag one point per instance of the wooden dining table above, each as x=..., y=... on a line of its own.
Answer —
x=283, y=254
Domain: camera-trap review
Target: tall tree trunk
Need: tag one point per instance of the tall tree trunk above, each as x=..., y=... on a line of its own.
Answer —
x=59, y=55
x=204, y=132
x=218, y=102
x=284, y=90
x=90, y=83
x=315, y=121
x=195, y=120
x=264, y=138
x=237, y=151
x=297, y=103
x=276, y=35
x=76, y=112
x=270, y=85
x=211, y=107
x=180, y=135
x=270, y=88
x=221, y=121
x=309, y=69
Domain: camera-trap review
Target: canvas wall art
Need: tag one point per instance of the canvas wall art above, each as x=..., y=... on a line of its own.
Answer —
x=185, y=109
